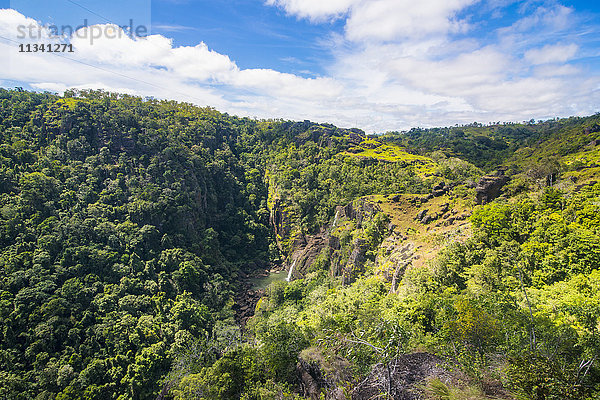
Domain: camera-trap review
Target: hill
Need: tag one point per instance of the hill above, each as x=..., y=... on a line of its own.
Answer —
x=455, y=262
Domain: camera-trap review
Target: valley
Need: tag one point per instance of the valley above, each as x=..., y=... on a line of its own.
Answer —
x=158, y=250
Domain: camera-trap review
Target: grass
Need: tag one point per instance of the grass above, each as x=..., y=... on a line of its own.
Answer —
x=374, y=149
x=437, y=390
x=428, y=238
x=68, y=102
x=584, y=165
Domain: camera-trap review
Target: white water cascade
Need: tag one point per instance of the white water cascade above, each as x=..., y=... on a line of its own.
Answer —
x=289, y=277
x=337, y=214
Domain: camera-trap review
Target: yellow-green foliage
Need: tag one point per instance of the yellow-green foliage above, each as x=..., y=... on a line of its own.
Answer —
x=574, y=302
x=67, y=102
x=569, y=143
x=437, y=390
x=583, y=158
x=371, y=148
x=472, y=325
x=583, y=165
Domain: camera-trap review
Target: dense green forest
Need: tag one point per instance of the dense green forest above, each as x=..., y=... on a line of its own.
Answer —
x=129, y=229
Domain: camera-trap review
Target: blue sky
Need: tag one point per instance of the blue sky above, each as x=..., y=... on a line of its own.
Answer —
x=376, y=64
x=253, y=35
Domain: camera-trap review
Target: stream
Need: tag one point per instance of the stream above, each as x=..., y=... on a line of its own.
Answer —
x=262, y=282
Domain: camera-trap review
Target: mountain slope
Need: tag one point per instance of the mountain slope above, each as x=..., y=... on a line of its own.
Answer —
x=129, y=228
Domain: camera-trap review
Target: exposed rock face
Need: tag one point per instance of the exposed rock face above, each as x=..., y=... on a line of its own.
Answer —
x=318, y=375
x=311, y=379
x=279, y=220
x=359, y=249
x=402, y=377
x=356, y=261
x=439, y=190
x=245, y=303
x=444, y=208
x=306, y=248
x=489, y=186
x=356, y=136
x=359, y=211
x=395, y=255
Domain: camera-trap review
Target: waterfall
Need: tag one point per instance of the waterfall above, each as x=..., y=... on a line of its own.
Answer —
x=289, y=277
x=337, y=214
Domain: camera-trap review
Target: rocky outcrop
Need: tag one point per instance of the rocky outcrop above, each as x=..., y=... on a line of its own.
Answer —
x=394, y=257
x=359, y=250
x=306, y=248
x=440, y=189
x=358, y=211
x=244, y=305
x=356, y=136
x=404, y=377
x=279, y=220
x=354, y=267
x=489, y=187
x=320, y=376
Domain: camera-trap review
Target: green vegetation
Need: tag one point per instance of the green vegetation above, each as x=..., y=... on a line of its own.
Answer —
x=510, y=144
x=371, y=148
x=128, y=228
x=124, y=225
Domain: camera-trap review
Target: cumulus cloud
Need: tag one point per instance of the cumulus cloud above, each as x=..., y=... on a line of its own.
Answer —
x=394, y=19
x=106, y=57
x=382, y=19
x=396, y=64
x=416, y=64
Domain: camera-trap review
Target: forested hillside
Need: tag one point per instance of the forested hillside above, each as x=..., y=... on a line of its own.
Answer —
x=130, y=229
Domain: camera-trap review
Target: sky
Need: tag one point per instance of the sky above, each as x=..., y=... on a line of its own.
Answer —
x=380, y=65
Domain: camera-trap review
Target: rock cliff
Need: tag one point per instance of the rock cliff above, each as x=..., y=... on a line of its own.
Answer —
x=489, y=187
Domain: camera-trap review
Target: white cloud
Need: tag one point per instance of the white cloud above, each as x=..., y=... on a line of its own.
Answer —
x=397, y=64
x=542, y=24
x=551, y=54
x=280, y=84
x=557, y=17
x=15, y=26
x=394, y=19
x=50, y=86
x=555, y=70
x=314, y=9
x=153, y=66
x=402, y=58
x=382, y=19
